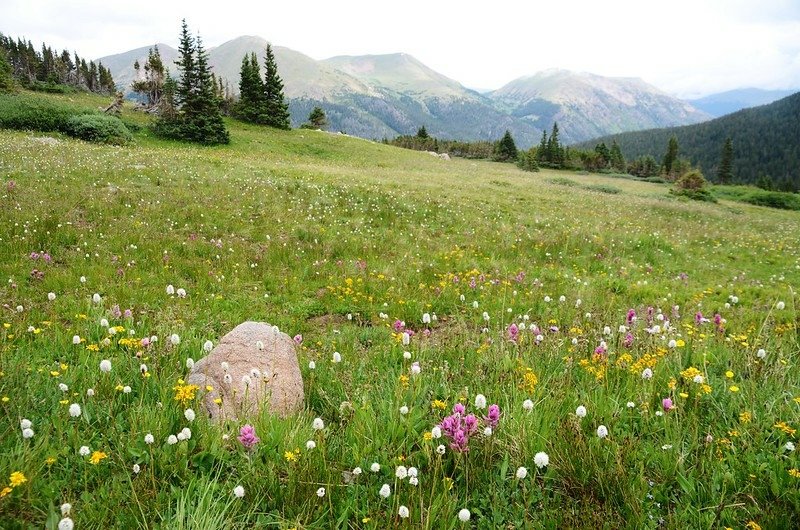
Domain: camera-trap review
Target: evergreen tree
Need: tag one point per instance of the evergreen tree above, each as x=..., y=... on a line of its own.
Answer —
x=317, y=118
x=603, y=155
x=151, y=84
x=277, y=109
x=671, y=156
x=6, y=78
x=554, y=148
x=542, y=156
x=251, y=106
x=506, y=150
x=422, y=133
x=527, y=160
x=617, y=159
x=184, y=91
x=725, y=172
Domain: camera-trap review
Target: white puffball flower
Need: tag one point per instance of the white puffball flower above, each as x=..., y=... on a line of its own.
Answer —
x=66, y=524
x=440, y=449
x=631, y=404
x=63, y=387
x=311, y=444
x=521, y=473
x=126, y=389
x=602, y=431
x=96, y=298
x=27, y=433
x=189, y=363
x=181, y=292
x=84, y=450
x=259, y=345
x=74, y=410
x=402, y=512
x=357, y=471
x=415, y=369
x=321, y=492
x=385, y=491
x=698, y=379
x=487, y=431
x=238, y=491
x=90, y=392
x=105, y=365
x=480, y=401
x=406, y=338
x=65, y=508
x=187, y=433
x=562, y=298
x=208, y=346
x=672, y=344
x=547, y=299
x=189, y=414
x=76, y=339
x=228, y=379
x=112, y=331
x=375, y=467
x=404, y=410
x=20, y=309
x=170, y=290
x=406, y=355
x=136, y=468
x=104, y=323
x=659, y=413
x=541, y=460
x=312, y=365
x=148, y=439
x=401, y=472
x=337, y=357
x=318, y=424
x=426, y=318
x=762, y=353
x=486, y=316
x=25, y=424
x=413, y=472
x=464, y=515
x=527, y=405
x=780, y=306
x=181, y=437
x=51, y=296
x=580, y=412
x=436, y=432
x=647, y=373
x=172, y=439
x=175, y=339
x=245, y=379
x=789, y=446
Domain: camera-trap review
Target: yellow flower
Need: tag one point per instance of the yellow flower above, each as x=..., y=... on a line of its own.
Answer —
x=680, y=343
x=185, y=393
x=734, y=388
x=5, y=399
x=745, y=417
x=684, y=395
x=17, y=478
x=428, y=436
x=97, y=456
x=290, y=456
x=50, y=461
x=404, y=380
x=218, y=401
x=752, y=525
x=5, y=491
x=783, y=426
x=438, y=404
x=729, y=374
x=794, y=473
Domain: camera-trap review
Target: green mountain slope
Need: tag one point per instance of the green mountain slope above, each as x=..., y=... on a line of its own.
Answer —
x=766, y=141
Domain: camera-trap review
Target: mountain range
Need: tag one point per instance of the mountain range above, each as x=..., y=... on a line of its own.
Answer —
x=377, y=96
x=734, y=100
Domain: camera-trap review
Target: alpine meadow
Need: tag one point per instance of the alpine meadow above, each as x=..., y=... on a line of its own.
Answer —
x=484, y=334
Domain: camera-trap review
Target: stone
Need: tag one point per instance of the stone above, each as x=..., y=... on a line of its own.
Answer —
x=263, y=369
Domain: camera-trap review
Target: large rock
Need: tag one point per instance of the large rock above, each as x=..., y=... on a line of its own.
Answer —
x=263, y=369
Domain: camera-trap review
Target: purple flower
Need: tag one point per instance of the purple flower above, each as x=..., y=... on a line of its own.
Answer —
x=631, y=316
x=460, y=442
x=458, y=408
x=471, y=424
x=128, y=313
x=513, y=333
x=298, y=339
x=493, y=416
x=115, y=312
x=399, y=325
x=628, y=340
x=247, y=436
x=667, y=404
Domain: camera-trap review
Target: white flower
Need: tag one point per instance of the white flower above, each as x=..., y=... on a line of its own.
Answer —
x=436, y=432
x=112, y=331
x=259, y=345
x=255, y=373
x=312, y=365
x=666, y=447
x=63, y=387
x=406, y=355
x=698, y=379
x=318, y=424
x=76, y=339
x=172, y=440
x=83, y=279
x=65, y=508
x=521, y=473
x=780, y=306
x=148, y=438
x=74, y=410
x=602, y=431
x=170, y=290
x=311, y=444
x=337, y=357
x=413, y=472
x=480, y=401
x=562, y=298
x=527, y=405
x=357, y=471
x=84, y=450
x=96, y=298
x=104, y=323
x=136, y=468
x=440, y=449
x=385, y=491
x=631, y=404
x=580, y=412
x=126, y=389
x=228, y=379
x=406, y=338
x=464, y=515
x=321, y=492
x=672, y=344
x=485, y=315
x=426, y=318
x=208, y=346
x=225, y=366
x=27, y=433
x=375, y=467
x=487, y=431
x=401, y=472
x=403, y=410
x=762, y=353
x=245, y=379
x=659, y=413
x=547, y=299
x=622, y=329
x=51, y=296
x=402, y=512
x=175, y=339
x=189, y=414
x=181, y=437
x=25, y=424
x=187, y=433
x=415, y=369
x=541, y=460
x=789, y=446
x=647, y=373
x=66, y=524
x=181, y=292
x=238, y=491
x=105, y=365
x=90, y=392
x=607, y=330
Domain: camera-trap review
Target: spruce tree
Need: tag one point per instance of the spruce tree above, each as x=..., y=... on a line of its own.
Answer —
x=671, y=156
x=506, y=150
x=277, y=109
x=206, y=121
x=317, y=118
x=542, y=156
x=554, y=150
x=725, y=172
x=422, y=133
x=6, y=78
x=251, y=106
x=617, y=158
x=184, y=91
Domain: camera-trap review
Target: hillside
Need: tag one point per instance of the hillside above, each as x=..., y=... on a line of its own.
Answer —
x=766, y=141
x=587, y=105
x=733, y=100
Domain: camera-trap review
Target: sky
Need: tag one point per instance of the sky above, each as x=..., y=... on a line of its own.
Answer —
x=688, y=48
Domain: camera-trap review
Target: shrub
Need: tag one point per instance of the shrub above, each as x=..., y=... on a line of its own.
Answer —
x=25, y=112
x=692, y=184
x=602, y=188
x=98, y=128
x=773, y=199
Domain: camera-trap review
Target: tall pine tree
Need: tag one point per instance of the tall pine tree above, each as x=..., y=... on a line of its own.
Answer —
x=277, y=109
x=671, y=156
x=251, y=106
x=506, y=149
x=725, y=172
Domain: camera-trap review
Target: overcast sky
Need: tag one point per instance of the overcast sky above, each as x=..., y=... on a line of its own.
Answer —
x=686, y=47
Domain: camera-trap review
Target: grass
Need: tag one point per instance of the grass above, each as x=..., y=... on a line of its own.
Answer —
x=337, y=239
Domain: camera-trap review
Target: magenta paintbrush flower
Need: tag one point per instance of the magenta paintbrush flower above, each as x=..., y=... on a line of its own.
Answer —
x=247, y=436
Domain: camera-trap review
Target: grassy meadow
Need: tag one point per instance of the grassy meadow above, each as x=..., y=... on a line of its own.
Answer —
x=581, y=305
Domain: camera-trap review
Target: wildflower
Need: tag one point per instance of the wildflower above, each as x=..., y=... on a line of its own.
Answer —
x=321, y=492
x=76, y=339
x=181, y=292
x=480, y=401
x=464, y=515
x=126, y=389
x=667, y=404
x=426, y=318
x=541, y=460
x=404, y=410
x=415, y=368
x=312, y=365
x=185, y=393
x=513, y=333
x=406, y=338
x=318, y=424
x=602, y=431
x=527, y=405
x=356, y=471
x=27, y=433
x=136, y=468
x=311, y=444
x=402, y=512
x=105, y=366
x=762, y=353
x=96, y=298
x=580, y=411
x=90, y=392
x=780, y=306
x=521, y=473
x=407, y=355
x=789, y=446
x=436, y=432
x=175, y=339
x=733, y=388
x=170, y=289
x=631, y=404
x=148, y=439
x=647, y=373
x=238, y=491
x=97, y=456
x=185, y=434
x=74, y=410
x=189, y=414
x=440, y=449
x=385, y=491
x=401, y=472
x=208, y=346
x=493, y=416
x=65, y=509
x=84, y=451
x=66, y=524
x=16, y=478
x=375, y=467
x=247, y=436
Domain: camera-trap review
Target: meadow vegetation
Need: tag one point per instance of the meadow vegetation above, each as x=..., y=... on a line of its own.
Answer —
x=481, y=346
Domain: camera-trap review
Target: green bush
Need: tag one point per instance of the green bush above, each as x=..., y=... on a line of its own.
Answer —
x=26, y=112
x=98, y=128
x=602, y=188
x=773, y=199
